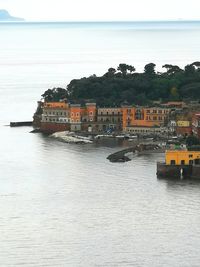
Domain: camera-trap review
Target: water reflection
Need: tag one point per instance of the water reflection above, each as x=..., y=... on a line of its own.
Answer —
x=70, y=206
x=173, y=182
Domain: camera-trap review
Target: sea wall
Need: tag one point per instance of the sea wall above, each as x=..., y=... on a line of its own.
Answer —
x=49, y=128
x=196, y=171
x=173, y=171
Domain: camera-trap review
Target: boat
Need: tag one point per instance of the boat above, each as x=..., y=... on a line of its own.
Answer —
x=99, y=136
x=120, y=136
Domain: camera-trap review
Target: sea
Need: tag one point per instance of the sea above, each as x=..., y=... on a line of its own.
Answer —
x=65, y=204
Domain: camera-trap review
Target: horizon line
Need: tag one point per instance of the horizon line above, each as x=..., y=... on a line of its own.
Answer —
x=98, y=21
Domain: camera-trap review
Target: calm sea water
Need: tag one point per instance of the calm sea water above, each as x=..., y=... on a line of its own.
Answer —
x=66, y=205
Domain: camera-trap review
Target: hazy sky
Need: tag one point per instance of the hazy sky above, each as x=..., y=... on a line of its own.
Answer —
x=86, y=10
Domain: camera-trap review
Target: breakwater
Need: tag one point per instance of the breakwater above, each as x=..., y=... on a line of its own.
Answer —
x=120, y=156
x=21, y=123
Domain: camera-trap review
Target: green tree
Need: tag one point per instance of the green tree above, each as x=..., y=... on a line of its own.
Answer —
x=174, y=95
x=189, y=70
x=172, y=69
x=55, y=94
x=149, y=69
x=124, y=68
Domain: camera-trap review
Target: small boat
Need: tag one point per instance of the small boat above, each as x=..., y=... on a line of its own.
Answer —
x=120, y=136
x=99, y=136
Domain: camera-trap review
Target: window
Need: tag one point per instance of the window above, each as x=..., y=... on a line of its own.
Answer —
x=190, y=156
x=190, y=162
x=91, y=113
x=172, y=162
x=77, y=114
x=72, y=114
x=182, y=162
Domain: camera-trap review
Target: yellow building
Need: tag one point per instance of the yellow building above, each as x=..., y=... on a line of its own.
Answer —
x=182, y=157
x=183, y=123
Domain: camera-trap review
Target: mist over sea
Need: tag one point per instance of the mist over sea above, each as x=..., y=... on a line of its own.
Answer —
x=66, y=205
x=38, y=56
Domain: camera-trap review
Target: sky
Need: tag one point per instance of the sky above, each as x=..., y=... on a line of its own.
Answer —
x=103, y=10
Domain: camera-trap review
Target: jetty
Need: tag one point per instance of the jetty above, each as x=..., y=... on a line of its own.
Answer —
x=21, y=123
x=121, y=156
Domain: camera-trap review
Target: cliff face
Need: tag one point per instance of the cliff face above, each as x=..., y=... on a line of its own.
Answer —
x=5, y=16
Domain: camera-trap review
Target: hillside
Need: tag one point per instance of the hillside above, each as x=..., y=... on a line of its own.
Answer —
x=124, y=84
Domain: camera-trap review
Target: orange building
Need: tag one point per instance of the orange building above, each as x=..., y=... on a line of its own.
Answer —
x=55, y=117
x=143, y=117
x=75, y=113
x=60, y=116
x=54, y=105
x=89, y=113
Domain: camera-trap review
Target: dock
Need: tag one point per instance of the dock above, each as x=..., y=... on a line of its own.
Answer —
x=120, y=156
x=180, y=164
x=21, y=123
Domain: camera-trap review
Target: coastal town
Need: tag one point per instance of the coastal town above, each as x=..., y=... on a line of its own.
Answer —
x=174, y=122
x=165, y=119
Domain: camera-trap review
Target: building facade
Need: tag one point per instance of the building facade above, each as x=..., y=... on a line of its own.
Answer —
x=183, y=127
x=196, y=125
x=55, y=117
x=143, y=117
x=61, y=116
x=109, y=119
